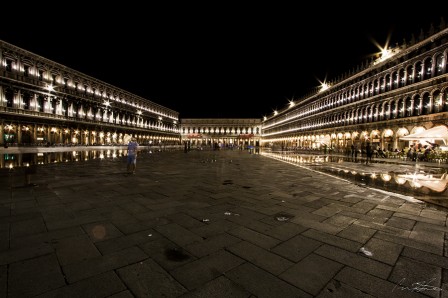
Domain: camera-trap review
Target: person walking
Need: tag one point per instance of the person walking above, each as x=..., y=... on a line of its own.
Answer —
x=369, y=153
x=132, y=156
x=356, y=153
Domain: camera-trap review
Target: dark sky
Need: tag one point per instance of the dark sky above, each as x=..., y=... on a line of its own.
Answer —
x=212, y=61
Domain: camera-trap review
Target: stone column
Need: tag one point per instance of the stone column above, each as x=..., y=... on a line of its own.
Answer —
x=19, y=134
x=2, y=131
x=34, y=133
x=47, y=134
x=431, y=104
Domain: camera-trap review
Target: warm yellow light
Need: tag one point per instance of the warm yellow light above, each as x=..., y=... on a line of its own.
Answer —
x=388, y=133
x=385, y=53
x=386, y=177
x=324, y=86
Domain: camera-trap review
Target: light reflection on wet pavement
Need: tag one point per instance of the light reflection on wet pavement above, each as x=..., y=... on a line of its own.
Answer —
x=184, y=214
x=13, y=157
x=423, y=181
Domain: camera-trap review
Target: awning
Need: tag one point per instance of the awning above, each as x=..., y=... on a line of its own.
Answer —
x=436, y=133
x=194, y=135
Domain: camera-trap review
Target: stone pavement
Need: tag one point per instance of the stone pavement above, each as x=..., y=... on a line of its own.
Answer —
x=213, y=224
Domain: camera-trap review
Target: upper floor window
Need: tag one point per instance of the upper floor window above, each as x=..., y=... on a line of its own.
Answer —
x=26, y=72
x=8, y=65
x=428, y=68
x=410, y=74
x=418, y=72
x=396, y=78
x=440, y=63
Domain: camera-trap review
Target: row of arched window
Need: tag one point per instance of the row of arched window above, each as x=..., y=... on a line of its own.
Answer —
x=409, y=106
x=74, y=82
x=221, y=130
x=341, y=103
x=82, y=110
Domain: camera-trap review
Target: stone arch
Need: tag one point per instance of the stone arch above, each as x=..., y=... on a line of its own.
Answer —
x=426, y=103
x=437, y=103
x=417, y=104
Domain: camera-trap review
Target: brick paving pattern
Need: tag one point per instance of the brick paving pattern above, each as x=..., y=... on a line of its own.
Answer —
x=213, y=224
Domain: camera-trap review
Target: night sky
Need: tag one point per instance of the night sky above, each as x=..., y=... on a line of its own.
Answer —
x=207, y=61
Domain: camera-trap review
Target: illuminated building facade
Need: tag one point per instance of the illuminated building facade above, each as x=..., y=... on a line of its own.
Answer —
x=401, y=92
x=224, y=132
x=43, y=102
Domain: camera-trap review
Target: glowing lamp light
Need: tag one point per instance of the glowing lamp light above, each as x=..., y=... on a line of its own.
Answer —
x=324, y=86
x=50, y=87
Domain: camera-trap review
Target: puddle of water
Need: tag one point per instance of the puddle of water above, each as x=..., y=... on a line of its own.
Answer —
x=16, y=160
x=176, y=254
x=424, y=182
x=283, y=216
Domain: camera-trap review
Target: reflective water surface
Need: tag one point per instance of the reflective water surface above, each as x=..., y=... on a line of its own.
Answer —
x=25, y=158
x=14, y=160
x=428, y=181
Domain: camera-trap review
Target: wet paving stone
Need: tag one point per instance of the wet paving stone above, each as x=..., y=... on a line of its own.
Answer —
x=176, y=254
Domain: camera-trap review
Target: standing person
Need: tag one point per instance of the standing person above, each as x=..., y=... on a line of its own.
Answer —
x=30, y=168
x=132, y=155
x=369, y=153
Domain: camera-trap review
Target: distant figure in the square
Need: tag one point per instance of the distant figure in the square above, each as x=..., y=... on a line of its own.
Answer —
x=369, y=153
x=30, y=168
x=132, y=155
